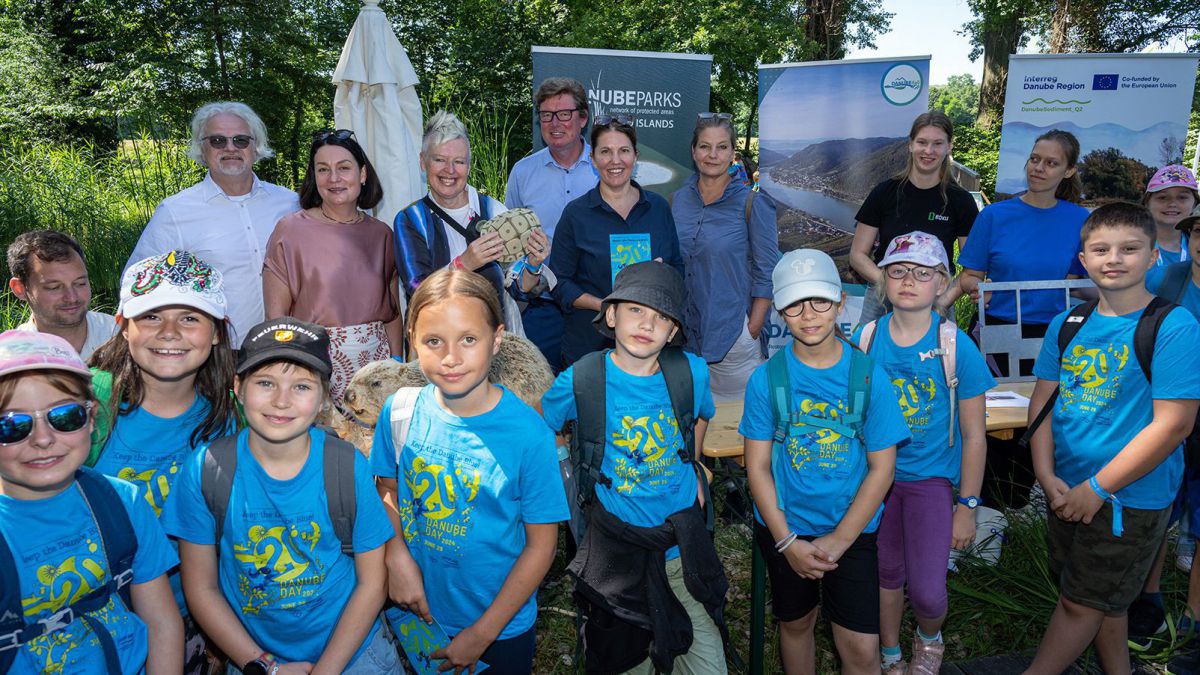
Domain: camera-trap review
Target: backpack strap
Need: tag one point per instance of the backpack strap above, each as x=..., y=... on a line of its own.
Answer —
x=12, y=612
x=116, y=530
x=216, y=480
x=861, y=366
x=948, y=346
x=677, y=372
x=102, y=385
x=1066, y=333
x=1175, y=282
x=340, y=496
x=404, y=402
x=866, y=336
x=1146, y=332
x=587, y=437
x=780, y=391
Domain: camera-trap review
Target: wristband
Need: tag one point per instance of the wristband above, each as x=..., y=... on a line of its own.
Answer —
x=1117, y=524
x=785, y=542
x=791, y=540
x=531, y=268
x=457, y=262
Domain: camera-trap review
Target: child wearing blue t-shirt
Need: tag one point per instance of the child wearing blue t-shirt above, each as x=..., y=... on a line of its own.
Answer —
x=819, y=475
x=272, y=584
x=646, y=479
x=922, y=519
x=169, y=371
x=72, y=599
x=1110, y=461
x=474, y=491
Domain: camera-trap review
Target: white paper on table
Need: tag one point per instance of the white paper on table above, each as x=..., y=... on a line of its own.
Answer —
x=1006, y=399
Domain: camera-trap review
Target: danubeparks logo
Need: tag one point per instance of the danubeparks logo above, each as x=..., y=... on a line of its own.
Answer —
x=901, y=84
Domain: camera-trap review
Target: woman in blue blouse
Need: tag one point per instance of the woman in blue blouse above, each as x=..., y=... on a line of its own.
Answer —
x=617, y=223
x=730, y=244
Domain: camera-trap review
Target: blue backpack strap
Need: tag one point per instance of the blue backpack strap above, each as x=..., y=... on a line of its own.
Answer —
x=340, y=490
x=116, y=530
x=781, y=405
x=12, y=617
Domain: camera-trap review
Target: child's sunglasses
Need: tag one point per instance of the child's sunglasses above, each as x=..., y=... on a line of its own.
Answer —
x=66, y=418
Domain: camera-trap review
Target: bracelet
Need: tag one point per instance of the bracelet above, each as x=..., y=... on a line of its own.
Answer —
x=530, y=268
x=790, y=541
x=1117, y=526
x=457, y=262
x=785, y=542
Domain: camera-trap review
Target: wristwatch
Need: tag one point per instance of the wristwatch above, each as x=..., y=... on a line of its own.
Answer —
x=969, y=502
x=264, y=665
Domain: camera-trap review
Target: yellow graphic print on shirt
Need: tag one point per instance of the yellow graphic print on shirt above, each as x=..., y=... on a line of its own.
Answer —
x=646, y=439
x=812, y=448
x=438, y=516
x=1092, y=377
x=281, y=569
x=58, y=586
x=916, y=400
x=157, y=484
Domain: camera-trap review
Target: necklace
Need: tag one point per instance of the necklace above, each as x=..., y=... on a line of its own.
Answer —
x=357, y=218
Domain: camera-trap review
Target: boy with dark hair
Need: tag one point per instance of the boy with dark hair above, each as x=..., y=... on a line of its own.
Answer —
x=1121, y=369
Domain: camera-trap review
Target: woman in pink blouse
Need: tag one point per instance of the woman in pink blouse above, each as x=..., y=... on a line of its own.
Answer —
x=332, y=264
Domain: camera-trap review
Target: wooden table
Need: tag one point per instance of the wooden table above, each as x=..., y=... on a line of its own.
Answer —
x=723, y=440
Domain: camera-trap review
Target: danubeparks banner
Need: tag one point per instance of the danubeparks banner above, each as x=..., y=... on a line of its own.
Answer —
x=662, y=93
x=829, y=132
x=1129, y=112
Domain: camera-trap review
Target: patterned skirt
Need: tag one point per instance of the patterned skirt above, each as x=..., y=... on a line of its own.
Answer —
x=351, y=348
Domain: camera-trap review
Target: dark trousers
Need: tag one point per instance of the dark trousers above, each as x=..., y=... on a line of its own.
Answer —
x=543, y=322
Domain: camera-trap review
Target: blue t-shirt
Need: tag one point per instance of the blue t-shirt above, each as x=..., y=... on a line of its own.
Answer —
x=280, y=565
x=1104, y=399
x=148, y=451
x=825, y=468
x=467, y=488
x=650, y=480
x=919, y=382
x=1191, y=294
x=60, y=557
x=1013, y=241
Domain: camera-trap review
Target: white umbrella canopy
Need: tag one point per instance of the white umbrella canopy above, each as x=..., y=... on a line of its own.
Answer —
x=376, y=97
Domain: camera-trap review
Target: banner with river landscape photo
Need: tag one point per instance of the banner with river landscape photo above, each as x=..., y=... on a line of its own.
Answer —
x=662, y=92
x=1129, y=112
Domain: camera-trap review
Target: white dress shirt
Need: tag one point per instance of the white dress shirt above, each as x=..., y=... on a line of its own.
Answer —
x=229, y=233
x=100, y=327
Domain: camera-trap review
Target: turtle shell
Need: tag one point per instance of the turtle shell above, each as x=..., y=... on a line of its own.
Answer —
x=514, y=227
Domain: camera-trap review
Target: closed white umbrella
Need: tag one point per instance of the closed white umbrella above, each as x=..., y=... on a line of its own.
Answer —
x=377, y=98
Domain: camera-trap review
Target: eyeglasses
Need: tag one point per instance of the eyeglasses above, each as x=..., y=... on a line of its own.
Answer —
x=335, y=134
x=241, y=141
x=66, y=418
x=922, y=274
x=818, y=305
x=562, y=115
x=723, y=117
x=613, y=120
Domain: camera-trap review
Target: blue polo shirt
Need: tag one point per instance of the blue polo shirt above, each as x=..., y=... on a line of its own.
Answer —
x=727, y=261
x=587, y=248
x=539, y=183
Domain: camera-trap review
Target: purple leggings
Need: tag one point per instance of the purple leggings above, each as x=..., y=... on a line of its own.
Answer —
x=914, y=542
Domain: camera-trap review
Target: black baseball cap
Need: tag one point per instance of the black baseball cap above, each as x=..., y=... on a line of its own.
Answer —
x=653, y=284
x=286, y=339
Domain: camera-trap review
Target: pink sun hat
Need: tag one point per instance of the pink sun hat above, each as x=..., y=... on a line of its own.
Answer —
x=22, y=350
x=1172, y=175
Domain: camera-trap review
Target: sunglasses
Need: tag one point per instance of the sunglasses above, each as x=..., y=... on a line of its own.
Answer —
x=723, y=117
x=66, y=418
x=241, y=141
x=922, y=274
x=335, y=134
x=614, y=120
x=562, y=115
x=818, y=305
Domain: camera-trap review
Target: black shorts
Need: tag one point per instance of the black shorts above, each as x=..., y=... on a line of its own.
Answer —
x=849, y=595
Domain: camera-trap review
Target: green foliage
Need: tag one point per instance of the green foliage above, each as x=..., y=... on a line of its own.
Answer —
x=1108, y=173
x=979, y=149
x=958, y=98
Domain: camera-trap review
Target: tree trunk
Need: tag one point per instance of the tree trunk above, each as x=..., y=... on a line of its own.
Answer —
x=1001, y=39
x=824, y=24
x=219, y=39
x=1060, y=20
x=749, y=126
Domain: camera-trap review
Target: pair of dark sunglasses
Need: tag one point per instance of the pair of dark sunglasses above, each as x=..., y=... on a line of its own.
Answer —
x=614, y=120
x=66, y=418
x=335, y=134
x=241, y=141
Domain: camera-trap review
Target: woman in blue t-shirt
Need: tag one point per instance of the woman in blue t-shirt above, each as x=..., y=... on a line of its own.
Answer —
x=1031, y=237
x=473, y=490
x=171, y=371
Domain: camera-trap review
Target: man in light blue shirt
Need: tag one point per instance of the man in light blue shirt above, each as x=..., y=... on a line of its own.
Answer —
x=545, y=181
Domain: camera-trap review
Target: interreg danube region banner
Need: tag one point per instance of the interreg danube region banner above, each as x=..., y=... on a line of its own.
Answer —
x=1129, y=112
x=829, y=132
x=662, y=92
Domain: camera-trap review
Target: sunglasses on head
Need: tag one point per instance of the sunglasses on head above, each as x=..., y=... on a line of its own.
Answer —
x=614, y=120
x=66, y=418
x=723, y=117
x=241, y=141
x=335, y=134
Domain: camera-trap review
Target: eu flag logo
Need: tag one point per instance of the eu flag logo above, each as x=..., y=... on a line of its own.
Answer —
x=1106, y=82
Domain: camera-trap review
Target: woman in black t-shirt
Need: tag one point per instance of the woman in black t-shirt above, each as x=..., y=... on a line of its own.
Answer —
x=923, y=197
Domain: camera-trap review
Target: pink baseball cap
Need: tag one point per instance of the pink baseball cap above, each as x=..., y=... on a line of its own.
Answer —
x=22, y=350
x=1172, y=175
x=918, y=247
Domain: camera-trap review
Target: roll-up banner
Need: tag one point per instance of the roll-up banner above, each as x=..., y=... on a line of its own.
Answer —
x=662, y=92
x=1129, y=112
x=829, y=131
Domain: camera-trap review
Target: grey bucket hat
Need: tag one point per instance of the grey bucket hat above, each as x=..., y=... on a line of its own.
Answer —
x=653, y=284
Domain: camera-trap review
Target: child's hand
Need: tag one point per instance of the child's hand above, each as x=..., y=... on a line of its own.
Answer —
x=295, y=668
x=963, y=532
x=1055, y=489
x=807, y=560
x=1079, y=504
x=463, y=651
x=833, y=547
x=406, y=586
